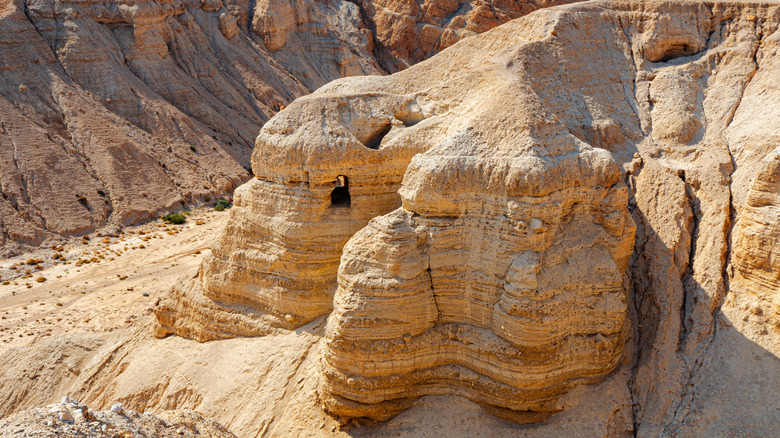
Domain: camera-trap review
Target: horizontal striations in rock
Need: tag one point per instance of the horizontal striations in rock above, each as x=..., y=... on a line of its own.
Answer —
x=756, y=254
x=500, y=272
x=502, y=278
x=314, y=188
x=526, y=302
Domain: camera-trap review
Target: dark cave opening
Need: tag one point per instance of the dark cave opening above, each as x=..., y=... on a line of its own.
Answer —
x=339, y=197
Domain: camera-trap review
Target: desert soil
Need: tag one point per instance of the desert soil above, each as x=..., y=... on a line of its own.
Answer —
x=110, y=292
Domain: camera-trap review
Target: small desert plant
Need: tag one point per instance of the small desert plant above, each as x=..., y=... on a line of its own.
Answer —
x=175, y=218
x=222, y=204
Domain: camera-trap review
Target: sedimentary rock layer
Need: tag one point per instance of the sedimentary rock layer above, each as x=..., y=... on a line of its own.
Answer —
x=277, y=261
x=756, y=257
x=505, y=270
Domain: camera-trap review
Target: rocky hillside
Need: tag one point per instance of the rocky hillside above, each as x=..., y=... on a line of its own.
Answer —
x=113, y=112
x=564, y=226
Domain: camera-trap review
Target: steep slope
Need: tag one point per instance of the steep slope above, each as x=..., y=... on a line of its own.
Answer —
x=407, y=32
x=113, y=112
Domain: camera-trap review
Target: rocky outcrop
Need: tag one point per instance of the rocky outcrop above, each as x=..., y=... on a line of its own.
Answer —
x=426, y=305
x=69, y=418
x=315, y=188
x=508, y=270
x=407, y=32
x=756, y=257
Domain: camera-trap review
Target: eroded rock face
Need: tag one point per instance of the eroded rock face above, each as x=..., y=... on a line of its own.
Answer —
x=508, y=270
x=496, y=231
x=114, y=112
x=314, y=189
x=407, y=32
x=508, y=309
x=757, y=248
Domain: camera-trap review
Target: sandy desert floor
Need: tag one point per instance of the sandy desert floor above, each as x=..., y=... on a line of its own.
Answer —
x=124, y=275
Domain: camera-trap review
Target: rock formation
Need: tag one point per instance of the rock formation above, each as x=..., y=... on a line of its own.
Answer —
x=756, y=257
x=114, y=112
x=69, y=418
x=506, y=271
x=407, y=32
x=588, y=194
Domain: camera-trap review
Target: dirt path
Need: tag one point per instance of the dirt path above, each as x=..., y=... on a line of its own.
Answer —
x=102, y=283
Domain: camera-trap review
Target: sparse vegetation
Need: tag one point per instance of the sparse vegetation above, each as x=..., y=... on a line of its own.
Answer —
x=222, y=204
x=175, y=218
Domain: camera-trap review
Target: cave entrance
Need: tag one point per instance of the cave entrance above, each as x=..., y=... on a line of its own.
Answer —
x=339, y=197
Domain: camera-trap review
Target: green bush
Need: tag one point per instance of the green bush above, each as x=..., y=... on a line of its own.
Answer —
x=175, y=218
x=222, y=205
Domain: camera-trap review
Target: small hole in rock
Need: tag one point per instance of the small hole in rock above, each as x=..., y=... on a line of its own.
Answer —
x=339, y=197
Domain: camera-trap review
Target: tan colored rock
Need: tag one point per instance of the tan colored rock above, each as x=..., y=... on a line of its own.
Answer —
x=57, y=421
x=675, y=101
x=155, y=105
x=756, y=256
x=304, y=197
x=126, y=111
x=409, y=31
x=527, y=127
x=315, y=40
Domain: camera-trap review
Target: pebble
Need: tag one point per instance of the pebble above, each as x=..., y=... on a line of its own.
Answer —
x=65, y=416
x=116, y=408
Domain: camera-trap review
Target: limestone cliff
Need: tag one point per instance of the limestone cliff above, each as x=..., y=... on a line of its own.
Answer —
x=507, y=269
